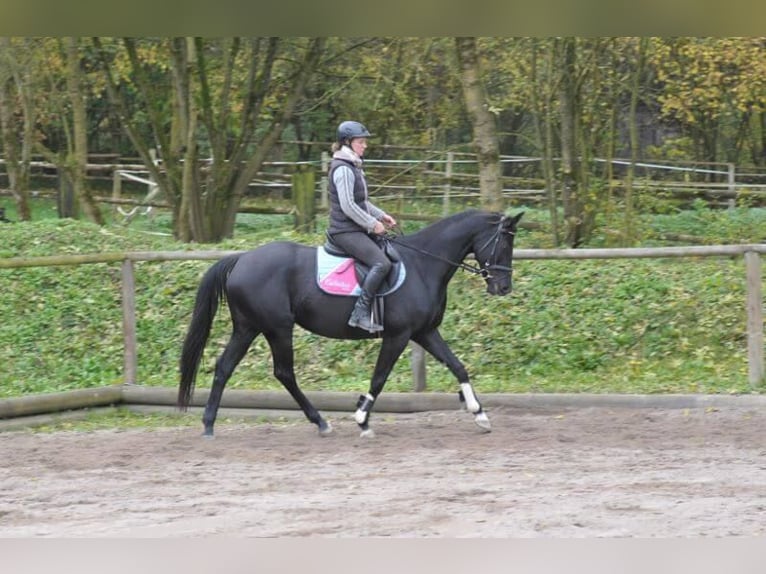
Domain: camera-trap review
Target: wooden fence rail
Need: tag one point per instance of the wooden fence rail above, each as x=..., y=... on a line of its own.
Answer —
x=447, y=174
x=750, y=252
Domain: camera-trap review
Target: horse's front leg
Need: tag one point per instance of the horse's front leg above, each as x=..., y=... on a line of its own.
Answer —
x=433, y=343
x=390, y=351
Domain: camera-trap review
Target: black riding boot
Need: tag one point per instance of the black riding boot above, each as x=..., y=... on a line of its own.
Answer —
x=361, y=316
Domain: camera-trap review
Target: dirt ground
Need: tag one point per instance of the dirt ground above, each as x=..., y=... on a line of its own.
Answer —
x=586, y=472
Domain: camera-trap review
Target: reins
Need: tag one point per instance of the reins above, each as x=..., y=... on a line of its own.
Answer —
x=475, y=269
x=465, y=266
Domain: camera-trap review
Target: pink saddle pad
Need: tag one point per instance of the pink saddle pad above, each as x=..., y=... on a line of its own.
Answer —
x=340, y=279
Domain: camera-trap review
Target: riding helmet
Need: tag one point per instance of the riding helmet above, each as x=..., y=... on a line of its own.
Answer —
x=349, y=130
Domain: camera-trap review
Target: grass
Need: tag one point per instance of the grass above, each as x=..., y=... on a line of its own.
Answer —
x=625, y=326
x=118, y=417
x=124, y=418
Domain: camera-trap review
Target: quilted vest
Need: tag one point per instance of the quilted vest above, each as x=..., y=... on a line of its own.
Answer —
x=339, y=222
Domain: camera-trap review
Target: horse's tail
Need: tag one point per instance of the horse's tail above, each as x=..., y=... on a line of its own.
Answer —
x=211, y=291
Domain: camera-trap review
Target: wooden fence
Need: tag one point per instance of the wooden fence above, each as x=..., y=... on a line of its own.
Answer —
x=751, y=254
x=446, y=177
x=399, y=174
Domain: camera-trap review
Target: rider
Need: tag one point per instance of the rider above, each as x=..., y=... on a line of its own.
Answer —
x=354, y=220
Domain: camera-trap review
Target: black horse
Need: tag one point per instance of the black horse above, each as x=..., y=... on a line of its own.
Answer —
x=273, y=287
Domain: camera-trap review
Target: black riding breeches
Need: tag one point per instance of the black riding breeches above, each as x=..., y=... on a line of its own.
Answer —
x=364, y=248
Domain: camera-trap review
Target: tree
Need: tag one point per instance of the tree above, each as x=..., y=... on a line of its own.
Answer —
x=588, y=93
x=635, y=93
x=62, y=81
x=234, y=176
x=17, y=118
x=560, y=98
x=539, y=92
x=204, y=114
x=407, y=91
x=35, y=72
x=231, y=98
x=713, y=88
x=570, y=168
x=483, y=122
x=75, y=165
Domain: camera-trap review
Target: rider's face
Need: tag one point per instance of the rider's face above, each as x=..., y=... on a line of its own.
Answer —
x=359, y=145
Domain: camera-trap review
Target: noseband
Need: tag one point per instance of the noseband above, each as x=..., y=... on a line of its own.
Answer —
x=484, y=270
x=494, y=240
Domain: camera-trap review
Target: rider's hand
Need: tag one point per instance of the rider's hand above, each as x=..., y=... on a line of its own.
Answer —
x=388, y=221
x=379, y=228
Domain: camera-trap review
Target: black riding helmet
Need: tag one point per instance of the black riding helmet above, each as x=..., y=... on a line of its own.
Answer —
x=350, y=130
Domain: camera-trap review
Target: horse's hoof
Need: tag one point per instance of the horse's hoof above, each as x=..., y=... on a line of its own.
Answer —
x=482, y=421
x=208, y=435
x=325, y=429
x=367, y=433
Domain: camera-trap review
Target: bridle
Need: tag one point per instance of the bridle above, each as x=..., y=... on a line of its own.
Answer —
x=483, y=270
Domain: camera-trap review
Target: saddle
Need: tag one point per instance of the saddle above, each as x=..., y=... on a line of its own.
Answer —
x=339, y=274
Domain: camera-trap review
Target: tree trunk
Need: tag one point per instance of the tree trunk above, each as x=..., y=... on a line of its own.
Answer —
x=483, y=122
x=540, y=100
x=570, y=171
x=78, y=157
x=17, y=158
x=189, y=222
x=13, y=167
x=630, y=224
x=610, y=142
x=760, y=159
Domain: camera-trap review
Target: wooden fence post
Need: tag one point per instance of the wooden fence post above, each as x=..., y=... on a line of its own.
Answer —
x=303, y=198
x=732, y=180
x=129, y=322
x=447, y=184
x=324, y=182
x=754, y=318
x=418, y=361
x=116, y=190
x=152, y=184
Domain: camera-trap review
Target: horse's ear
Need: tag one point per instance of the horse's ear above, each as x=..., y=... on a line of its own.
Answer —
x=511, y=223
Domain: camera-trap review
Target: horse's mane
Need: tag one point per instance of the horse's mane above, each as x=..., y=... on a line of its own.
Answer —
x=439, y=228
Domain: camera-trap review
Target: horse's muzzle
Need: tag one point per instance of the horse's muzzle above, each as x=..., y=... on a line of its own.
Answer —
x=499, y=287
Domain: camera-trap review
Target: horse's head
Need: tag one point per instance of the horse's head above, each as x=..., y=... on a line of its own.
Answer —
x=493, y=250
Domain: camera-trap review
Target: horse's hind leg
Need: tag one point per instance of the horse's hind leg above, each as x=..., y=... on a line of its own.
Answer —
x=281, y=344
x=239, y=343
x=433, y=343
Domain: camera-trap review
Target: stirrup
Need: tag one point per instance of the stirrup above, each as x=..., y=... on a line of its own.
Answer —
x=366, y=322
x=371, y=327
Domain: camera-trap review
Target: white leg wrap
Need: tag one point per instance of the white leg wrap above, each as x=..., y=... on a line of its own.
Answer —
x=361, y=414
x=471, y=402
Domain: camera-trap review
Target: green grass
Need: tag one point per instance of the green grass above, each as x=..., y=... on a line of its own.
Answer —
x=118, y=417
x=627, y=326
x=123, y=418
